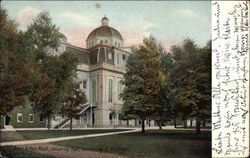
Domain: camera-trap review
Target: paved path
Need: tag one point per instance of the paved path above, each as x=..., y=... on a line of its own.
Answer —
x=38, y=141
x=66, y=152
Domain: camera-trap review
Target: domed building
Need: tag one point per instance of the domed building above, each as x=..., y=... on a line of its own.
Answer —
x=101, y=70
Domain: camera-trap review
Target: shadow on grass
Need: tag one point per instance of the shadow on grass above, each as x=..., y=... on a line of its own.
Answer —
x=15, y=152
x=152, y=144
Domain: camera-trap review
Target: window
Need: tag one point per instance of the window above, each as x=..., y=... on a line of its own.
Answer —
x=110, y=56
x=106, y=41
x=101, y=41
x=92, y=43
x=31, y=117
x=19, y=117
x=110, y=92
x=115, y=44
x=31, y=104
x=41, y=118
x=118, y=60
x=120, y=116
x=120, y=88
x=123, y=57
x=93, y=90
x=84, y=84
x=110, y=116
x=119, y=45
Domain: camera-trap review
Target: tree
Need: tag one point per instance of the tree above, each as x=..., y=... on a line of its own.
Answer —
x=14, y=73
x=191, y=81
x=51, y=76
x=71, y=107
x=143, y=81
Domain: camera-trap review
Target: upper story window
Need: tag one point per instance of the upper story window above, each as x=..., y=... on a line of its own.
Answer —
x=101, y=41
x=84, y=84
x=118, y=59
x=110, y=56
x=106, y=41
x=124, y=57
x=92, y=43
x=119, y=45
x=31, y=104
x=116, y=44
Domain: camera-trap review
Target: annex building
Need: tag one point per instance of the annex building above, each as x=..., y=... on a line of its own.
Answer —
x=101, y=69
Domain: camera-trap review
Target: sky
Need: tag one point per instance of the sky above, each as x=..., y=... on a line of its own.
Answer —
x=170, y=22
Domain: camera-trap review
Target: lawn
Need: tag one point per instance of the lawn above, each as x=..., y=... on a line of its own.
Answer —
x=42, y=134
x=153, y=144
x=13, y=152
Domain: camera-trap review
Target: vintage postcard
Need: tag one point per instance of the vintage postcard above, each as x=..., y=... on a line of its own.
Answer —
x=124, y=79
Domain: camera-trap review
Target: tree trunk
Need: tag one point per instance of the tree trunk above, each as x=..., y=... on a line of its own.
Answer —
x=70, y=124
x=149, y=123
x=160, y=125
x=191, y=123
x=48, y=122
x=204, y=123
x=175, y=123
x=143, y=127
x=185, y=123
x=127, y=122
x=198, y=128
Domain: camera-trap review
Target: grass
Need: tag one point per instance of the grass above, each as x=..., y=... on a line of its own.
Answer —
x=153, y=144
x=14, y=152
x=43, y=134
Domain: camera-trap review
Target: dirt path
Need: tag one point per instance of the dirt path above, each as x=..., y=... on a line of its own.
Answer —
x=66, y=152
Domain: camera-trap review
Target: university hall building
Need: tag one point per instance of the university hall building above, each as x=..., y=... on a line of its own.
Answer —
x=101, y=69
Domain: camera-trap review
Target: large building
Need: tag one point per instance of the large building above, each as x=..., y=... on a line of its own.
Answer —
x=101, y=69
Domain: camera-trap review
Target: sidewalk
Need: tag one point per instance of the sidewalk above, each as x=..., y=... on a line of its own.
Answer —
x=38, y=141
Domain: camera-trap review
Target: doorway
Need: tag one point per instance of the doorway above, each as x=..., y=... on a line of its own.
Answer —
x=7, y=120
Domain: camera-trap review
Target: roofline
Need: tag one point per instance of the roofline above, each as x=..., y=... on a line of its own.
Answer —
x=76, y=47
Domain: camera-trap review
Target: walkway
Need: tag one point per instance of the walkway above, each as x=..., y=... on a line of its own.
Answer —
x=38, y=141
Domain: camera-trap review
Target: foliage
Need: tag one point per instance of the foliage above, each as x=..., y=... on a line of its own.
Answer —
x=71, y=107
x=190, y=82
x=143, y=81
x=14, y=73
x=52, y=76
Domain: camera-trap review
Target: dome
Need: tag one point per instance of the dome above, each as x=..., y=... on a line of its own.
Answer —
x=104, y=35
x=104, y=31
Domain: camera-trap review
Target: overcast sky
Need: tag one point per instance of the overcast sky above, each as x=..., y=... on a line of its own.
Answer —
x=169, y=21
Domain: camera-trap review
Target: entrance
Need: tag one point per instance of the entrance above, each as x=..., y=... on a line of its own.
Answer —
x=7, y=120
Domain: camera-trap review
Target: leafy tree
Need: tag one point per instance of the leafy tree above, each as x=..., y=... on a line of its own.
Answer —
x=14, y=73
x=191, y=81
x=143, y=81
x=54, y=73
x=71, y=107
